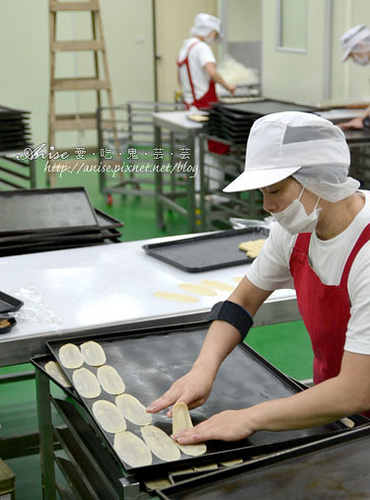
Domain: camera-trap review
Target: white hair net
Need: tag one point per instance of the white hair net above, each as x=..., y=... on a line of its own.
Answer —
x=330, y=181
x=204, y=24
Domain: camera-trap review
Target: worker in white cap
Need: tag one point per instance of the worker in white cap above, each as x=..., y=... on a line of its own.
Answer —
x=197, y=64
x=320, y=245
x=356, y=46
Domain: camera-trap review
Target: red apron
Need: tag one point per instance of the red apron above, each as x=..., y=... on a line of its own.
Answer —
x=325, y=309
x=204, y=102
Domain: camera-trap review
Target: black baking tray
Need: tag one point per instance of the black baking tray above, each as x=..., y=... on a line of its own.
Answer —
x=43, y=210
x=150, y=360
x=333, y=468
x=265, y=107
x=206, y=252
x=40, y=362
x=9, y=303
x=106, y=221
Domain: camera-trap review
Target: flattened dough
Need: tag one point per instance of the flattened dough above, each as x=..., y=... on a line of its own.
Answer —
x=199, y=289
x=133, y=410
x=108, y=416
x=218, y=285
x=110, y=380
x=252, y=248
x=160, y=444
x=70, y=356
x=86, y=384
x=132, y=450
x=54, y=370
x=176, y=297
x=93, y=353
x=181, y=420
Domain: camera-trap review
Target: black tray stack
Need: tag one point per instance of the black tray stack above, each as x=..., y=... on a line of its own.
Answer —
x=16, y=170
x=233, y=122
x=15, y=131
x=39, y=220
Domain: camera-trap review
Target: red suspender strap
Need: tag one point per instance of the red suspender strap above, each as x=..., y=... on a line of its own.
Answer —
x=186, y=61
x=364, y=238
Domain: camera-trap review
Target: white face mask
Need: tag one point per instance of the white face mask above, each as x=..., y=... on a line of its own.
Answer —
x=362, y=60
x=295, y=219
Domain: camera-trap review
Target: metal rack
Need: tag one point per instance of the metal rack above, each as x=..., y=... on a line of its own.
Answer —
x=127, y=149
x=217, y=171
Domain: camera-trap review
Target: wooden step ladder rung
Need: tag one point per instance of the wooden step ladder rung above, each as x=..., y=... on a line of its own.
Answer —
x=79, y=84
x=84, y=121
x=74, y=6
x=70, y=45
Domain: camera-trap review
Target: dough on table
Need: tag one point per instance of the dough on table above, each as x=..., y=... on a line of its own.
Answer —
x=218, y=285
x=181, y=420
x=238, y=279
x=160, y=444
x=110, y=380
x=93, y=353
x=54, y=370
x=176, y=297
x=70, y=356
x=86, y=384
x=199, y=289
x=133, y=410
x=132, y=450
x=252, y=248
x=108, y=416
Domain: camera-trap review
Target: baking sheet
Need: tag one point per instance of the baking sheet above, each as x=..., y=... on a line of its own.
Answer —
x=9, y=303
x=36, y=210
x=149, y=361
x=207, y=252
x=337, y=469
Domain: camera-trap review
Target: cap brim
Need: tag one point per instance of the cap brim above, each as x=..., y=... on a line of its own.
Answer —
x=346, y=54
x=256, y=179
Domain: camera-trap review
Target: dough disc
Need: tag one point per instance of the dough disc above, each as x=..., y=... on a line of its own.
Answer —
x=110, y=380
x=160, y=444
x=108, y=416
x=132, y=450
x=86, y=384
x=133, y=410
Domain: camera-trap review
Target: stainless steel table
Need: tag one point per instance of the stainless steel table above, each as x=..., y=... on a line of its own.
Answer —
x=102, y=286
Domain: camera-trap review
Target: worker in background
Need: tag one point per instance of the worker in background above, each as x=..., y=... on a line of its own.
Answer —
x=356, y=46
x=319, y=245
x=198, y=76
x=197, y=64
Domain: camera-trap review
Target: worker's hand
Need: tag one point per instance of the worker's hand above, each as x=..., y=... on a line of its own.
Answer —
x=231, y=88
x=230, y=425
x=192, y=389
x=355, y=124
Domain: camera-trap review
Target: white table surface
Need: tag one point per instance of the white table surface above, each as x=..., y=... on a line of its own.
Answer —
x=73, y=290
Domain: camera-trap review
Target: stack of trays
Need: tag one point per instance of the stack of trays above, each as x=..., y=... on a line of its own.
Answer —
x=15, y=133
x=234, y=121
x=38, y=220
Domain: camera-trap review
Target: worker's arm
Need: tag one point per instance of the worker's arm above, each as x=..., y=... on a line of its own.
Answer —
x=338, y=397
x=195, y=387
x=356, y=123
x=217, y=78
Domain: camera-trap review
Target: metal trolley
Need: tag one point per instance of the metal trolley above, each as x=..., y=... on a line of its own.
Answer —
x=127, y=148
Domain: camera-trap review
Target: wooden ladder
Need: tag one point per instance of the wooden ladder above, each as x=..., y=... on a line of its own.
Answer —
x=99, y=82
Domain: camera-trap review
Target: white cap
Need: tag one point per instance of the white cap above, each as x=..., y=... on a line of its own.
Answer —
x=280, y=144
x=204, y=24
x=352, y=37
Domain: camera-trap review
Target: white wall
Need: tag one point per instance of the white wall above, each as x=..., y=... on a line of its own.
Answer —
x=243, y=20
x=24, y=42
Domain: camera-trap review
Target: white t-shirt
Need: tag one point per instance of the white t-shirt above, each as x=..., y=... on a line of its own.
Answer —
x=270, y=271
x=199, y=56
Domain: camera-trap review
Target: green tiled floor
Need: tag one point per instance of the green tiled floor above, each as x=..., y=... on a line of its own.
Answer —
x=286, y=345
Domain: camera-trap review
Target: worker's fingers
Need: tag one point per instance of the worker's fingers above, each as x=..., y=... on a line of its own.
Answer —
x=229, y=425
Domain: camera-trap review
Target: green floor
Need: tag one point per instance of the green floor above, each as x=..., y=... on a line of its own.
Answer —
x=286, y=345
